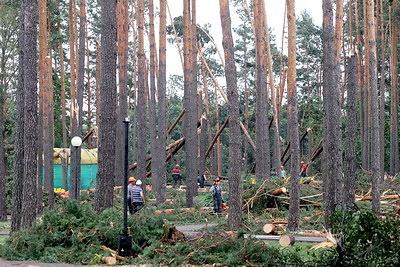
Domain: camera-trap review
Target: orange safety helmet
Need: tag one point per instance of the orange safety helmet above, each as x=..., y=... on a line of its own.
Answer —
x=131, y=179
x=216, y=179
x=177, y=165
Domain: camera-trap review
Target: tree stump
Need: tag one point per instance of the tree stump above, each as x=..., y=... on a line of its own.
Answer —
x=286, y=240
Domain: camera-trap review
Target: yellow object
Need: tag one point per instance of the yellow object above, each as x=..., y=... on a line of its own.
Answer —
x=253, y=180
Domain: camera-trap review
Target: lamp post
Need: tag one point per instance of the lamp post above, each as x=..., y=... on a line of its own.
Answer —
x=125, y=241
x=76, y=142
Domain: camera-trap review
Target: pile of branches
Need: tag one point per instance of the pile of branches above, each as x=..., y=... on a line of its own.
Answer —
x=74, y=233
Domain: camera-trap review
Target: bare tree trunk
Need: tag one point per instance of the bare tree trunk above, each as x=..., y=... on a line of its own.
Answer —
x=17, y=185
x=394, y=92
x=294, y=207
x=107, y=124
x=262, y=137
x=162, y=99
x=122, y=109
x=337, y=140
x=141, y=100
x=235, y=190
x=29, y=190
x=375, y=141
x=190, y=99
x=382, y=90
x=332, y=110
x=351, y=131
x=47, y=94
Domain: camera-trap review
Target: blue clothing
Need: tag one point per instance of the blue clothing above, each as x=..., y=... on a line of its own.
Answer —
x=135, y=194
x=216, y=191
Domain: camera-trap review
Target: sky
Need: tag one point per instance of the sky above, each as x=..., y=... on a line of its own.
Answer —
x=208, y=12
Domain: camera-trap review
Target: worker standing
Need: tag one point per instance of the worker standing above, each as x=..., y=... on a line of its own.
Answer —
x=176, y=177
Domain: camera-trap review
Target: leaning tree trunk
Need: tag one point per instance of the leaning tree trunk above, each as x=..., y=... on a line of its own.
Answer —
x=107, y=124
x=375, y=143
x=294, y=207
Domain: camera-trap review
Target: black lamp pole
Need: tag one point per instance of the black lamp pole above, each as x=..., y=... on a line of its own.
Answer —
x=125, y=241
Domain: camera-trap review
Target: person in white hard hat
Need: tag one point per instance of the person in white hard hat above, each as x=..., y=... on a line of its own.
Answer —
x=137, y=196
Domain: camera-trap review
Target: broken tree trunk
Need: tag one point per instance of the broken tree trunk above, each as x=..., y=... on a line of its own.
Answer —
x=279, y=191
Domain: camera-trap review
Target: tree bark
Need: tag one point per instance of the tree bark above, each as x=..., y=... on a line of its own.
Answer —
x=394, y=93
x=190, y=98
x=262, y=158
x=351, y=132
x=29, y=190
x=375, y=141
x=235, y=188
x=17, y=186
x=294, y=207
x=107, y=124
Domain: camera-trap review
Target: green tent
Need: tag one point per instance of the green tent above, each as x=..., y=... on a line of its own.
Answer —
x=88, y=168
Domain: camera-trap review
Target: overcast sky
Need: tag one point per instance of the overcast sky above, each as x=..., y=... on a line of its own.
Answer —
x=208, y=12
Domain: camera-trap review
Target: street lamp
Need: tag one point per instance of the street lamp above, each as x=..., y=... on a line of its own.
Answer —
x=125, y=241
x=76, y=142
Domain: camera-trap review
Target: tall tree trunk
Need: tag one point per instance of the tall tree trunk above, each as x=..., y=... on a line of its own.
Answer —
x=332, y=111
x=141, y=99
x=162, y=105
x=382, y=90
x=394, y=92
x=190, y=98
x=351, y=131
x=29, y=190
x=262, y=136
x=98, y=70
x=17, y=185
x=156, y=158
x=48, y=113
x=122, y=113
x=107, y=124
x=337, y=141
x=294, y=207
x=375, y=142
x=235, y=190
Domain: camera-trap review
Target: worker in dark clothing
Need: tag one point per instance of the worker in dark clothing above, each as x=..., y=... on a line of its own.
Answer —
x=216, y=191
x=202, y=179
x=176, y=177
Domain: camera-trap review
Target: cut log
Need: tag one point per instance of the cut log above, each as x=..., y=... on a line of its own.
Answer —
x=269, y=228
x=286, y=240
x=169, y=211
x=279, y=191
x=109, y=260
x=280, y=221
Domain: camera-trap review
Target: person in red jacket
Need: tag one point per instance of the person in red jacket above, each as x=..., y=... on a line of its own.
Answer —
x=304, y=167
x=176, y=176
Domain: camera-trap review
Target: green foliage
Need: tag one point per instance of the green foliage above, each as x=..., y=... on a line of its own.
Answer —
x=74, y=233
x=366, y=239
